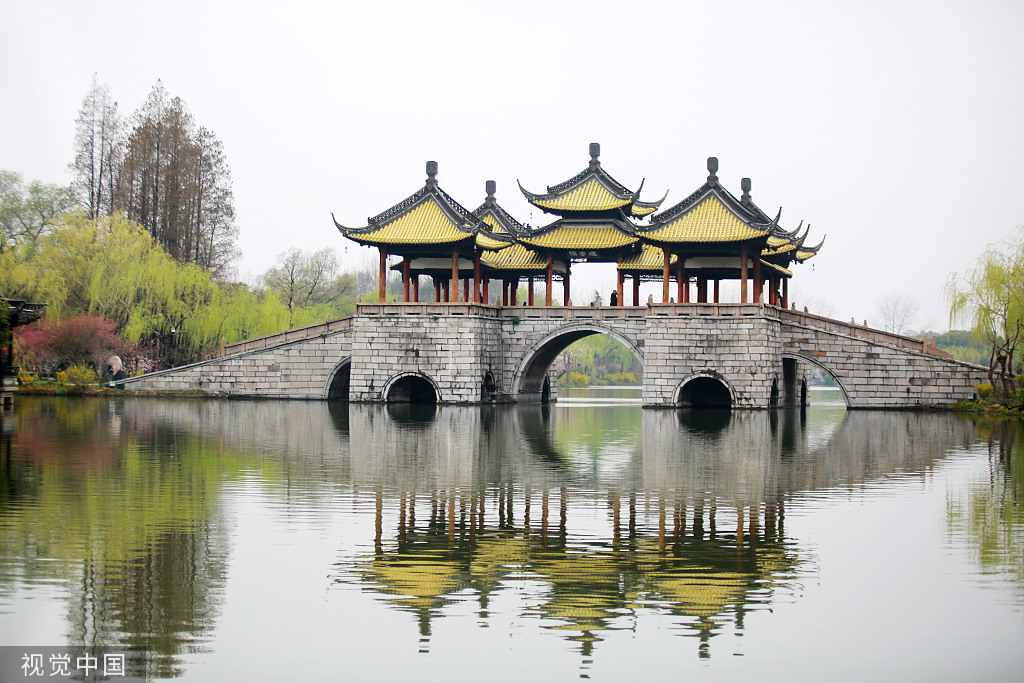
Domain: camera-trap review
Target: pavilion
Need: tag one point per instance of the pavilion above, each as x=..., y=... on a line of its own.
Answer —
x=707, y=237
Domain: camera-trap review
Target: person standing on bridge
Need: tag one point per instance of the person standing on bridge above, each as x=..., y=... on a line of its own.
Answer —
x=613, y=300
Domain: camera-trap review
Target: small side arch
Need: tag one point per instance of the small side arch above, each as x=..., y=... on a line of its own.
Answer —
x=338, y=381
x=823, y=368
x=705, y=388
x=410, y=387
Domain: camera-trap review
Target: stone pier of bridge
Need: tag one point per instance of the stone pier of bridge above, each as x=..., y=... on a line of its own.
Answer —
x=737, y=355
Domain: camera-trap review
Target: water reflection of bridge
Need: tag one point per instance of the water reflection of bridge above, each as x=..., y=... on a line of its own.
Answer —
x=707, y=565
x=676, y=514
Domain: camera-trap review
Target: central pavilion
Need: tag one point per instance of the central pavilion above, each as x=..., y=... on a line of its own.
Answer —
x=707, y=237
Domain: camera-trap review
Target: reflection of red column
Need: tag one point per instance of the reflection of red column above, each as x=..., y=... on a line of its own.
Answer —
x=739, y=529
x=661, y=527
x=544, y=518
x=615, y=517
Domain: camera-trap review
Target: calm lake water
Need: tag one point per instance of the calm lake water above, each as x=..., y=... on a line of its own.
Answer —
x=271, y=541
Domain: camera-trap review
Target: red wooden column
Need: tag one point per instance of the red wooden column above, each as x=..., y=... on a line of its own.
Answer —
x=529, y=290
x=636, y=289
x=566, y=299
x=447, y=295
x=437, y=289
x=785, y=292
x=465, y=290
x=504, y=292
x=743, y=273
x=757, y=280
x=513, y=291
x=416, y=287
x=405, y=278
x=702, y=290
x=716, y=290
x=487, y=289
x=476, y=276
x=382, y=278
x=620, y=288
x=454, y=290
x=682, y=284
x=550, y=273
x=665, y=273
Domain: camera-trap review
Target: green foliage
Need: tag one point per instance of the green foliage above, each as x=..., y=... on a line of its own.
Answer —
x=77, y=377
x=984, y=390
x=28, y=380
x=623, y=378
x=573, y=379
x=990, y=297
x=28, y=212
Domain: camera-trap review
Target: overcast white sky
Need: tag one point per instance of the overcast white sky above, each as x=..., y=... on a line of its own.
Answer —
x=893, y=127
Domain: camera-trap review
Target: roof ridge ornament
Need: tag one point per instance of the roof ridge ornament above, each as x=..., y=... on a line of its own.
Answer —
x=595, y=152
x=745, y=186
x=490, y=187
x=431, y=174
x=712, y=171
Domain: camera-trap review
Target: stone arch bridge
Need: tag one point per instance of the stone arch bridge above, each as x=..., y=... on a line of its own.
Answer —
x=740, y=355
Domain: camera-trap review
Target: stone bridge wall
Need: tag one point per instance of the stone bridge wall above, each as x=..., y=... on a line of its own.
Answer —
x=456, y=346
x=296, y=369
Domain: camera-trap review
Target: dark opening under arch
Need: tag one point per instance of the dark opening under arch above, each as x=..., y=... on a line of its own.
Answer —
x=338, y=391
x=705, y=392
x=411, y=389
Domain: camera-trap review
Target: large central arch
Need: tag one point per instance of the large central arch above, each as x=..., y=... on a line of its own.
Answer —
x=810, y=361
x=528, y=382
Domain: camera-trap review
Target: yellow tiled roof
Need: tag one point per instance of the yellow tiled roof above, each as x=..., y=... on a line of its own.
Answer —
x=426, y=223
x=708, y=221
x=802, y=255
x=776, y=268
x=650, y=258
x=579, y=237
x=589, y=196
x=495, y=224
x=516, y=257
x=485, y=242
x=785, y=248
x=643, y=210
x=775, y=242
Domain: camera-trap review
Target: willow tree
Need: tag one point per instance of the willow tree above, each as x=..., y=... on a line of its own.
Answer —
x=989, y=298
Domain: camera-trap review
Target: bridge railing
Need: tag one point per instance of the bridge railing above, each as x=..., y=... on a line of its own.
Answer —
x=295, y=334
x=588, y=313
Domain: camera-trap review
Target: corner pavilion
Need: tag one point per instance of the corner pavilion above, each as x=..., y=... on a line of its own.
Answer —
x=707, y=237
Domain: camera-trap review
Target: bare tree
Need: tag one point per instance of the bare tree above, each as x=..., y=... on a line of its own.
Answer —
x=26, y=213
x=99, y=141
x=897, y=312
x=308, y=278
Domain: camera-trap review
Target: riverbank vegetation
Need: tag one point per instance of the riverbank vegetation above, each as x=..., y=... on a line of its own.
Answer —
x=989, y=297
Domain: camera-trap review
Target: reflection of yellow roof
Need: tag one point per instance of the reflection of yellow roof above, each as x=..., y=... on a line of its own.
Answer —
x=425, y=223
x=580, y=237
x=417, y=577
x=776, y=267
x=703, y=591
x=516, y=257
x=590, y=195
x=650, y=258
x=708, y=221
